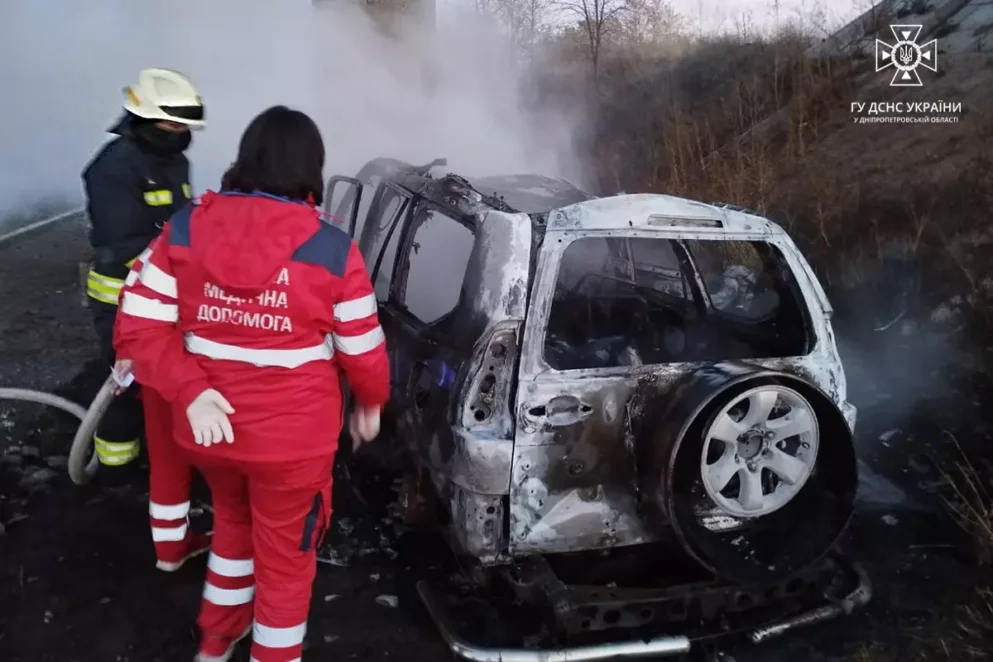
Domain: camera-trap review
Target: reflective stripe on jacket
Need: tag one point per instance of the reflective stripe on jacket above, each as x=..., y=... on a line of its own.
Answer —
x=259, y=299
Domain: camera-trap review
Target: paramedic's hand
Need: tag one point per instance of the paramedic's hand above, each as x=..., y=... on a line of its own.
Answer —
x=363, y=425
x=208, y=416
x=123, y=375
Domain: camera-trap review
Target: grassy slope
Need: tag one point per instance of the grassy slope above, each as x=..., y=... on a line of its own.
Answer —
x=760, y=127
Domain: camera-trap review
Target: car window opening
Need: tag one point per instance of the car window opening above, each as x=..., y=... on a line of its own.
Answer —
x=634, y=301
x=436, y=266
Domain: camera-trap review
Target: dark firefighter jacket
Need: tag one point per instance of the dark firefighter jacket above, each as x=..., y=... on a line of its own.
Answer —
x=130, y=192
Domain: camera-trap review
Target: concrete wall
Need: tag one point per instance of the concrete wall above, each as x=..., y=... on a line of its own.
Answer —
x=959, y=26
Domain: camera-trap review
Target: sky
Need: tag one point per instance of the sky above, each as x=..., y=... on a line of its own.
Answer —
x=762, y=14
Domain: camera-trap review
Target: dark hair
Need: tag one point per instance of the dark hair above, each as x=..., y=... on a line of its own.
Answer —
x=281, y=153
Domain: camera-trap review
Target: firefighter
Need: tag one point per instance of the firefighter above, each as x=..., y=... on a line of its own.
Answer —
x=246, y=312
x=133, y=184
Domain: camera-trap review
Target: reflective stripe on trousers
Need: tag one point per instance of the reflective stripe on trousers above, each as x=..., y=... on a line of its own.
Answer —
x=169, y=522
x=116, y=453
x=271, y=644
x=103, y=288
x=230, y=582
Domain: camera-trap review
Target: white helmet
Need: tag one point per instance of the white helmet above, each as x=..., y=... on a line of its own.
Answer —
x=164, y=94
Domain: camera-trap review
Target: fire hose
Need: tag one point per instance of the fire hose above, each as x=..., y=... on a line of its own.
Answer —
x=83, y=463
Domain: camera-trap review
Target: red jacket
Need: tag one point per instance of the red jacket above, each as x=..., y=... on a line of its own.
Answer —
x=256, y=297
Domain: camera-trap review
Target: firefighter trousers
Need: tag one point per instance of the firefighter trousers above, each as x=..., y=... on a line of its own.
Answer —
x=269, y=519
x=117, y=436
x=170, y=474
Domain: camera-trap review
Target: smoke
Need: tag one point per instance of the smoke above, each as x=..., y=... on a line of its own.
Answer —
x=901, y=352
x=454, y=92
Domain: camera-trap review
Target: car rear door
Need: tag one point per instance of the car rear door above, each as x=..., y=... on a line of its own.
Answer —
x=573, y=475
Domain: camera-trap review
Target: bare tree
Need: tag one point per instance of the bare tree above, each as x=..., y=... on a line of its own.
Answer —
x=525, y=20
x=647, y=22
x=597, y=18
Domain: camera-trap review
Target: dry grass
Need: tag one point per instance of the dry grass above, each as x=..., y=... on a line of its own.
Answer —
x=958, y=628
x=961, y=631
x=953, y=633
x=970, y=499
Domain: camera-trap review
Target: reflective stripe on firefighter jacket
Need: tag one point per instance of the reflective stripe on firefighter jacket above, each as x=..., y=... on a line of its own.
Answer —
x=256, y=297
x=130, y=194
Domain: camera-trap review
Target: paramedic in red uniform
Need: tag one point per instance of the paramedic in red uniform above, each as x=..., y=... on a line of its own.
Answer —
x=264, y=307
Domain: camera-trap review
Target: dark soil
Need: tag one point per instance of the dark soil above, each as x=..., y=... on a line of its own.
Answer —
x=77, y=577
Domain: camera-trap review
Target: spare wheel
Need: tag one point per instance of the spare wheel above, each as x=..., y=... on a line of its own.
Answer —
x=760, y=483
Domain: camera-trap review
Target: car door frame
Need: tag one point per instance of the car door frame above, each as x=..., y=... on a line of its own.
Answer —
x=354, y=202
x=372, y=176
x=374, y=263
x=365, y=243
x=428, y=358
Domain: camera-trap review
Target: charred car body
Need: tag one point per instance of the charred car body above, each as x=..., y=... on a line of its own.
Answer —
x=573, y=373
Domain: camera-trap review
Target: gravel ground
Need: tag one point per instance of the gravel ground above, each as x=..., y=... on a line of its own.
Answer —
x=76, y=566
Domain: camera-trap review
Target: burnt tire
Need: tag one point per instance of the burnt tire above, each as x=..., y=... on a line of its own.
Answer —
x=775, y=542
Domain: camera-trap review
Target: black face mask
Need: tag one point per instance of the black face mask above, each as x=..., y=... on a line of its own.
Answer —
x=161, y=142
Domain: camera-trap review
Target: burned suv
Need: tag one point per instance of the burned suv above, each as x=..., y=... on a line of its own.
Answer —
x=575, y=373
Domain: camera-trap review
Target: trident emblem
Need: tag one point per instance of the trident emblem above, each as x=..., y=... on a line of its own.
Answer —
x=906, y=55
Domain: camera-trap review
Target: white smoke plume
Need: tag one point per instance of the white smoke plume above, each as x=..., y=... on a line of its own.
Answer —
x=452, y=92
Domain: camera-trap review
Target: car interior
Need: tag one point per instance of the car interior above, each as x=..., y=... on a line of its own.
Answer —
x=632, y=301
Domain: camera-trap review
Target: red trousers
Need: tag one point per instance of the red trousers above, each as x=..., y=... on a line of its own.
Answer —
x=170, y=472
x=269, y=518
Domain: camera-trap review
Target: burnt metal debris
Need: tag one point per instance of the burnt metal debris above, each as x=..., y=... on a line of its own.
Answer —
x=574, y=374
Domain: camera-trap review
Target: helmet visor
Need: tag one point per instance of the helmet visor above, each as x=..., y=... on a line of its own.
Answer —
x=191, y=113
